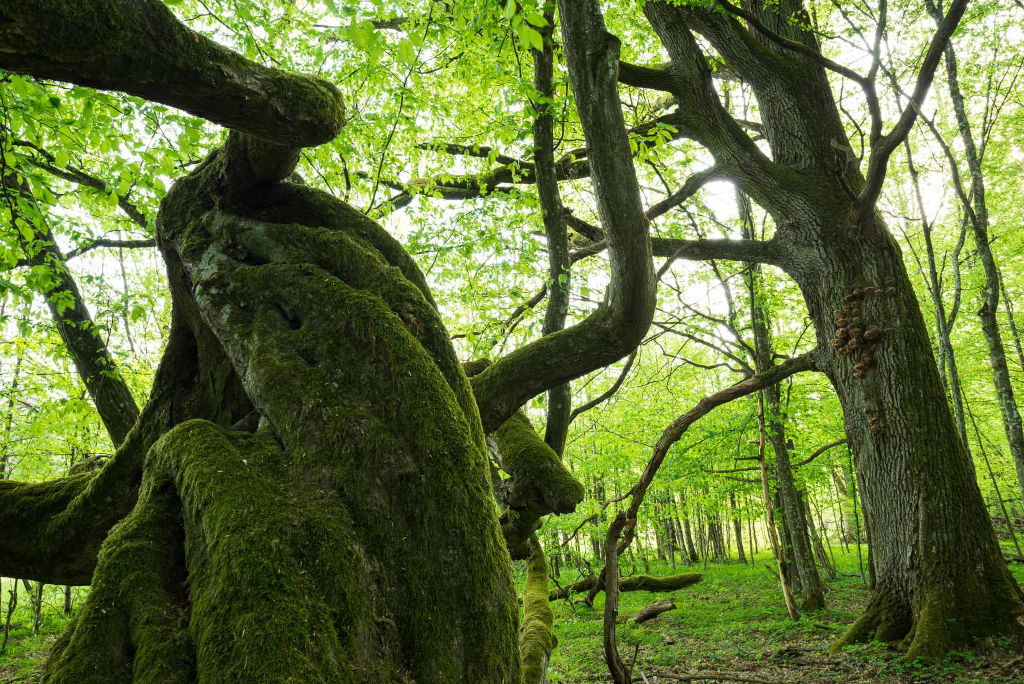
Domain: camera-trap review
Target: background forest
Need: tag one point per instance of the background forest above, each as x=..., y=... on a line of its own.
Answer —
x=439, y=147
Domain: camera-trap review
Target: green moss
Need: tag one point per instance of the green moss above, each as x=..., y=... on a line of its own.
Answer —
x=535, y=466
x=634, y=583
x=536, y=640
x=341, y=349
x=142, y=49
x=538, y=482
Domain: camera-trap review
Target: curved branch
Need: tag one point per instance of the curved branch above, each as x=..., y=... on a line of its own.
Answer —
x=793, y=45
x=819, y=452
x=139, y=47
x=621, y=321
x=608, y=393
x=678, y=427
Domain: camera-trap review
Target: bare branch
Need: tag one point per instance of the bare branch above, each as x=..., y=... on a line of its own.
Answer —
x=880, y=152
x=819, y=452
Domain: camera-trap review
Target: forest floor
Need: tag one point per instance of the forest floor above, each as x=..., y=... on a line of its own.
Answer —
x=732, y=624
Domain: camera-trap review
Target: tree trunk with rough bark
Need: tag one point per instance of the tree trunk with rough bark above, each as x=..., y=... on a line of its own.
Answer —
x=941, y=581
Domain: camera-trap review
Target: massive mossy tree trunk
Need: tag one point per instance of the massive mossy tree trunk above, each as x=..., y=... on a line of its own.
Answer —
x=941, y=579
x=356, y=525
x=306, y=494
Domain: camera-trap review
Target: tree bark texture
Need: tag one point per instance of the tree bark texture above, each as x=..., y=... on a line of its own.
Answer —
x=941, y=580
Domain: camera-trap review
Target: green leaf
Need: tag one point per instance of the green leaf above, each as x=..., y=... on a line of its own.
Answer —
x=536, y=19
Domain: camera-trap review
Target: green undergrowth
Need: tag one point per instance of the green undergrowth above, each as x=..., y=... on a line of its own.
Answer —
x=734, y=623
x=25, y=650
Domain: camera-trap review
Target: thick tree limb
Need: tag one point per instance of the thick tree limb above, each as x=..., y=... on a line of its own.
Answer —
x=647, y=77
x=653, y=610
x=621, y=322
x=139, y=47
x=754, y=251
x=538, y=482
x=706, y=120
x=796, y=46
x=57, y=527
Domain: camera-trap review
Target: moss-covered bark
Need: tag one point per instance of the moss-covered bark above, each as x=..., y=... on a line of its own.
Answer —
x=536, y=640
x=538, y=482
x=53, y=530
x=635, y=583
x=353, y=538
x=139, y=47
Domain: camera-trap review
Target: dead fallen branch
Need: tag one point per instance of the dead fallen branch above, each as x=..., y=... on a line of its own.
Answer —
x=637, y=583
x=653, y=610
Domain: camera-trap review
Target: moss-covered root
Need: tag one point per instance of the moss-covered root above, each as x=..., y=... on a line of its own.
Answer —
x=132, y=626
x=227, y=570
x=635, y=583
x=536, y=640
x=943, y=618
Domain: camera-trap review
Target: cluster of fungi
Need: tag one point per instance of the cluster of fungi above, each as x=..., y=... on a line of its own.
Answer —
x=855, y=338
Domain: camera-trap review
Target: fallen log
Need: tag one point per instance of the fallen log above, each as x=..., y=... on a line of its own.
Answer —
x=653, y=610
x=636, y=583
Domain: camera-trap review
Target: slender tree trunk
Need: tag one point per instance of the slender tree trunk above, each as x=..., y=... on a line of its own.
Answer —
x=787, y=592
x=738, y=527
x=12, y=604
x=795, y=523
x=990, y=293
x=95, y=364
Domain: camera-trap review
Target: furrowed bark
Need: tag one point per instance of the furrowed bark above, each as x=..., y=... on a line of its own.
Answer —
x=912, y=467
